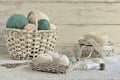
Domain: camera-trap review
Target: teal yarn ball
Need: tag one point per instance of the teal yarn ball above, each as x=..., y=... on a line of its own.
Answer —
x=43, y=24
x=17, y=21
x=72, y=60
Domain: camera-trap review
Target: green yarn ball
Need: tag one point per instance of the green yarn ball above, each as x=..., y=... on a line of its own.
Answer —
x=43, y=24
x=17, y=21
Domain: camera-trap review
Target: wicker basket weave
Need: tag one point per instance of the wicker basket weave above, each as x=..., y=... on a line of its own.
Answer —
x=27, y=45
x=52, y=67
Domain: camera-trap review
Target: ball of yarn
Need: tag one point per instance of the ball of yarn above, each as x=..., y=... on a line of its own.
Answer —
x=53, y=27
x=43, y=58
x=33, y=16
x=55, y=56
x=72, y=60
x=30, y=27
x=59, y=58
x=43, y=24
x=63, y=60
x=17, y=21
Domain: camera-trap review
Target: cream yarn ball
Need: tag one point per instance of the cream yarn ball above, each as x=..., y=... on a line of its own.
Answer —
x=63, y=60
x=59, y=58
x=33, y=16
x=30, y=27
x=43, y=58
x=53, y=27
x=55, y=56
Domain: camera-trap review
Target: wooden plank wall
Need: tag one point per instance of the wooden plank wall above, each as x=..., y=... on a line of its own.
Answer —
x=74, y=18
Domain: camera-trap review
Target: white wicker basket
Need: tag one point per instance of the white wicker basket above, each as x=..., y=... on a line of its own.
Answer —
x=52, y=67
x=27, y=45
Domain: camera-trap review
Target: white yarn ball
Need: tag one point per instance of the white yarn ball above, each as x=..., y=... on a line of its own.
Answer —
x=63, y=60
x=59, y=59
x=55, y=56
x=33, y=16
x=43, y=58
x=53, y=27
x=30, y=27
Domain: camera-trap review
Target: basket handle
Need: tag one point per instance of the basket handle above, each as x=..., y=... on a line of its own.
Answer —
x=36, y=21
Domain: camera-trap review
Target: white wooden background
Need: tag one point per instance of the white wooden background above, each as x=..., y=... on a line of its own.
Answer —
x=74, y=18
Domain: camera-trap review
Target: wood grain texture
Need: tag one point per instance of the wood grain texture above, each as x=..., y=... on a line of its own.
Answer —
x=72, y=33
x=65, y=1
x=67, y=13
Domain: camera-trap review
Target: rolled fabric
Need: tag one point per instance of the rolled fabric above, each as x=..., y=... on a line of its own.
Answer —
x=43, y=58
x=33, y=16
x=30, y=27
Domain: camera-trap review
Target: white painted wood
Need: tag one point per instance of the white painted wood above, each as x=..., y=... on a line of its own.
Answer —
x=72, y=33
x=62, y=1
x=66, y=13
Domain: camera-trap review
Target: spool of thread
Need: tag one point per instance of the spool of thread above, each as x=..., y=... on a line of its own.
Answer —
x=17, y=21
x=90, y=66
x=94, y=63
x=102, y=66
x=30, y=27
